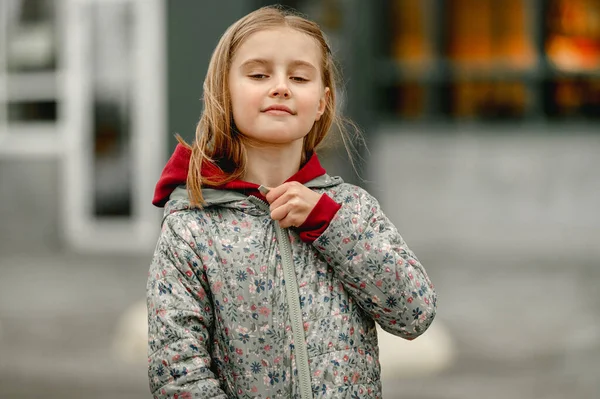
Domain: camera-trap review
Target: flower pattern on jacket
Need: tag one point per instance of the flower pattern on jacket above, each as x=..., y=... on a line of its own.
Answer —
x=219, y=323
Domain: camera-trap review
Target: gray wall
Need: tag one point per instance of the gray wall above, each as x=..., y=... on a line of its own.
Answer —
x=29, y=205
x=493, y=189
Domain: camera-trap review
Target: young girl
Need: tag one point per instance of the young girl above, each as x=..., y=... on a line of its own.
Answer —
x=269, y=274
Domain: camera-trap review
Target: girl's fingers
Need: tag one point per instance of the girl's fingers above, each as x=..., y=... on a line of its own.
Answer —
x=288, y=217
x=290, y=203
x=278, y=191
x=280, y=212
x=280, y=201
x=287, y=222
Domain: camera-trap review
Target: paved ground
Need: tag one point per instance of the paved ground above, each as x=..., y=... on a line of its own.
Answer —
x=524, y=328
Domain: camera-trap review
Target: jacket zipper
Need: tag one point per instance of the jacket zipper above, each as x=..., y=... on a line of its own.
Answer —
x=293, y=298
x=293, y=293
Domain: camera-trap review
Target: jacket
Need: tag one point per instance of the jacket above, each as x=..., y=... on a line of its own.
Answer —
x=241, y=308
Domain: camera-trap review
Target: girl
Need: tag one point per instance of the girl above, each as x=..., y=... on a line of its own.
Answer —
x=269, y=274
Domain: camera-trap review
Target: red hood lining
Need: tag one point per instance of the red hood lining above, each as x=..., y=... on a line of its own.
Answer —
x=175, y=174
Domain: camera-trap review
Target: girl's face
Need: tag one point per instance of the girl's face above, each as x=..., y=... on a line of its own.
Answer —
x=276, y=87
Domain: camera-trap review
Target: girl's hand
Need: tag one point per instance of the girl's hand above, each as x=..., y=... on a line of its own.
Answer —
x=291, y=203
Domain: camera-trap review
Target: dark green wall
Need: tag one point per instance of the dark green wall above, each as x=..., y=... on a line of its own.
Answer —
x=193, y=30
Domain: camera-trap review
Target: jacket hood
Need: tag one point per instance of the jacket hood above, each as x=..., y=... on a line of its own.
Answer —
x=171, y=184
x=229, y=197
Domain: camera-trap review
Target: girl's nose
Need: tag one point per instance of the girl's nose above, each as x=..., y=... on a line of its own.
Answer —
x=281, y=89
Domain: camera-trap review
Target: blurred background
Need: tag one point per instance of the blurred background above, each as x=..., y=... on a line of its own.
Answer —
x=482, y=119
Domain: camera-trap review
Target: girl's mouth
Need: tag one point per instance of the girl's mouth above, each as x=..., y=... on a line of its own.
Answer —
x=278, y=110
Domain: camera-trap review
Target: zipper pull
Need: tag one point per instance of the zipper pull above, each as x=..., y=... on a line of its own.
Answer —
x=263, y=190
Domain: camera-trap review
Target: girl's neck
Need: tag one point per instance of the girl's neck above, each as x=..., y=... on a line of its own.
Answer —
x=271, y=167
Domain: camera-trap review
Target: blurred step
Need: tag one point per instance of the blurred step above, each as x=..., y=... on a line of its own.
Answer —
x=429, y=354
x=129, y=344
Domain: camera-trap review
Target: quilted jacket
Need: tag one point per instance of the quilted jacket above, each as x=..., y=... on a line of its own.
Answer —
x=241, y=308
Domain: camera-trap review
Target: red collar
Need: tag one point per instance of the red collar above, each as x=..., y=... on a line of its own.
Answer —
x=175, y=174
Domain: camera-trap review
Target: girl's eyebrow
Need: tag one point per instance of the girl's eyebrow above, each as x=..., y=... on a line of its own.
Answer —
x=307, y=64
x=254, y=61
x=263, y=62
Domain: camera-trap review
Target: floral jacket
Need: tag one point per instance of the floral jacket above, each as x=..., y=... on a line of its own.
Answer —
x=241, y=308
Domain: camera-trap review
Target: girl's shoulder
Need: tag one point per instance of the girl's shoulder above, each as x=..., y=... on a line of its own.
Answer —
x=347, y=192
x=180, y=209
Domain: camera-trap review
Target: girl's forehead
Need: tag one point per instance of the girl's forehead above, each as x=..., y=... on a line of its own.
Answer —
x=279, y=43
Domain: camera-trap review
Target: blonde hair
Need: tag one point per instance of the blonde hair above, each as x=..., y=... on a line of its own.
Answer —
x=216, y=140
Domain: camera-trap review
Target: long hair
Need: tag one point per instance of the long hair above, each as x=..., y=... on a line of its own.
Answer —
x=216, y=140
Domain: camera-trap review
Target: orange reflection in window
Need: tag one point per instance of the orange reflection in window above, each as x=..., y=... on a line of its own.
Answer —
x=486, y=33
x=411, y=100
x=574, y=97
x=410, y=41
x=514, y=43
x=488, y=100
x=573, y=41
x=470, y=31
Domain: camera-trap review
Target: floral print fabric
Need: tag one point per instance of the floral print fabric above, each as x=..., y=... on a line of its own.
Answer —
x=219, y=324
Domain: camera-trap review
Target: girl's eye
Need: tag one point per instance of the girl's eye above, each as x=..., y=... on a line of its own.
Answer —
x=299, y=79
x=258, y=76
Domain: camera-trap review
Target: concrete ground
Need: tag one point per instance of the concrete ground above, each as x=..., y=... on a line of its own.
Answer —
x=523, y=328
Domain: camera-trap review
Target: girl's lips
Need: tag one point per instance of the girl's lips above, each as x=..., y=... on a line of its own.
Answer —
x=278, y=110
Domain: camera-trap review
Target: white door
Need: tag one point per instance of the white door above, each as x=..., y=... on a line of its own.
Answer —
x=115, y=122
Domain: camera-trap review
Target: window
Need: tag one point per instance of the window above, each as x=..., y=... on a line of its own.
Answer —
x=572, y=45
x=83, y=82
x=30, y=72
x=490, y=60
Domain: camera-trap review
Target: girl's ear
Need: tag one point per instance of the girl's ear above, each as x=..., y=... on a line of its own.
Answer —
x=323, y=103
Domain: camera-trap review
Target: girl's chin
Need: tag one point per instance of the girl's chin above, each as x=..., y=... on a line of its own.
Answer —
x=275, y=138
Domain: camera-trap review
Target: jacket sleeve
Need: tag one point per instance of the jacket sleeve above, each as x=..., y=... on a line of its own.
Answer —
x=376, y=266
x=180, y=319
